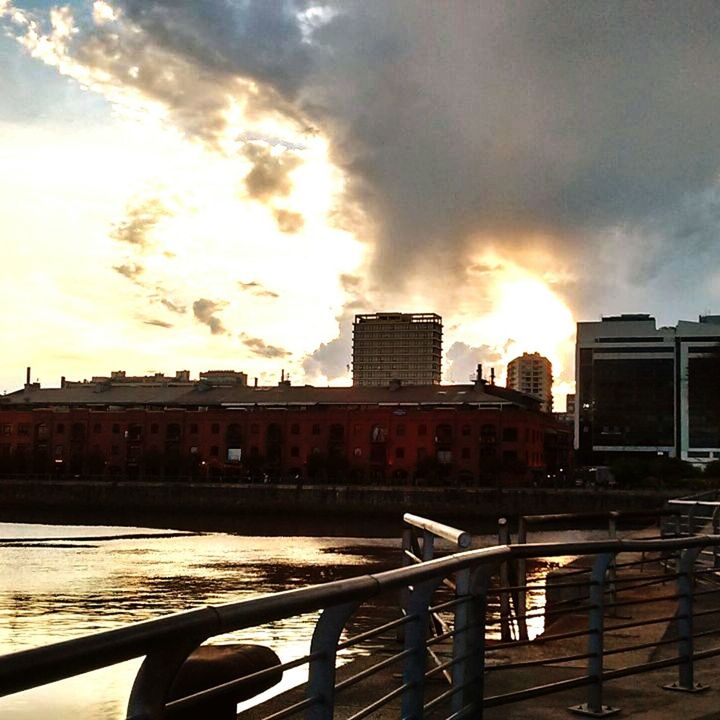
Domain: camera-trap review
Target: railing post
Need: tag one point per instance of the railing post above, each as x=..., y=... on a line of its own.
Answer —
x=469, y=642
x=716, y=531
x=504, y=539
x=596, y=621
x=419, y=597
x=520, y=608
x=685, y=580
x=428, y=547
x=321, y=673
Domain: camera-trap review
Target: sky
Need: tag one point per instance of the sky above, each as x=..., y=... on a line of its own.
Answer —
x=224, y=184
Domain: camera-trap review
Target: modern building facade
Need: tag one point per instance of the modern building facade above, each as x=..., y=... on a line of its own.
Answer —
x=531, y=373
x=469, y=434
x=397, y=346
x=644, y=389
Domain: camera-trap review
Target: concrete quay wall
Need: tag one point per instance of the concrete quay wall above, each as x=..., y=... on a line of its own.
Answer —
x=239, y=499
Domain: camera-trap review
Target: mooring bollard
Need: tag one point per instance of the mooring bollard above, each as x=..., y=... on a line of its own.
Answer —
x=596, y=622
x=685, y=580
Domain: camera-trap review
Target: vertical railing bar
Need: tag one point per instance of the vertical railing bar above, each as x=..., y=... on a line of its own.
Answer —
x=596, y=620
x=685, y=584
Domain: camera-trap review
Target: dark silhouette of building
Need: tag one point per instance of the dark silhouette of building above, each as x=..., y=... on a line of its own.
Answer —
x=642, y=389
x=474, y=434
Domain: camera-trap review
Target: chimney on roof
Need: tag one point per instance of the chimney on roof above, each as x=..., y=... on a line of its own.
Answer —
x=27, y=376
x=492, y=376
x=62, y=381
x=479, y=380
x=255, y=383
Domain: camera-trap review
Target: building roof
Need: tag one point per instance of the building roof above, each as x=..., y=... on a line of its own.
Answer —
x=206, y=395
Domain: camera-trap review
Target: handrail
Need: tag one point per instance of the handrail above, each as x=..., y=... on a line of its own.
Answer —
x=461, y=538
x=37, y=666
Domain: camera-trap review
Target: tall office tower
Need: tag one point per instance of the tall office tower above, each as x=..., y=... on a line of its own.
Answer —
x=642, y=389
x=531, y=373
x=397, y=346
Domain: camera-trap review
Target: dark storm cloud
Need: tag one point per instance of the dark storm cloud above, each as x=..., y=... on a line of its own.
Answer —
x=510, y=123
x=205, y=311
x=259, y=347
x=516, y=119
x=258, y=289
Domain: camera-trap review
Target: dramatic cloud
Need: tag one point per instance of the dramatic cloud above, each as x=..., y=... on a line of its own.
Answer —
x=259, y=347
x=258, y=289
x=577, y=140
x=204, y=310
x=142, y=216
x=288, y=221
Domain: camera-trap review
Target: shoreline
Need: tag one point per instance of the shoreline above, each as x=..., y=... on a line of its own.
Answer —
x=361, y=511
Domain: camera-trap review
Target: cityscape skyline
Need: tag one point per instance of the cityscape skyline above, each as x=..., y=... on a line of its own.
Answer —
x=190, y=186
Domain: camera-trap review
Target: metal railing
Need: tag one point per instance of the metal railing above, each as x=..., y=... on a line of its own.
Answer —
x=463, y=605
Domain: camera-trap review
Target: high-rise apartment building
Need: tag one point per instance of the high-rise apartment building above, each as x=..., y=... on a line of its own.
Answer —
x=531, y=373
x=644, y=389
x=397, y=346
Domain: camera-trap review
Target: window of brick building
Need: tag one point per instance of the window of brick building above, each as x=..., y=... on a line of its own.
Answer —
x=465, y=453
x=316, y=429
x=295, y=430
x=7, y=429
x=421, y=453
x=254, y=428
x=154, y=428
x=400, y=430
x=465, y=430
x=214, y=450
x=97, y=428
x=422, y=429
x=510, y=434
x=400, y=453
x=60, y=428
x=114, y=450
x=193, y=428
x=215, y=428
x=294, y=452
x=23, y=429
x=115, y=428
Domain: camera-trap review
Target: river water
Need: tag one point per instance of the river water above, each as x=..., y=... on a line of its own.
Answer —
x=59, y=582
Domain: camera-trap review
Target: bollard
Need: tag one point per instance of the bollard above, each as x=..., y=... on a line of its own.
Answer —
x=212, y=665
x=686, y=679
x=596, y=620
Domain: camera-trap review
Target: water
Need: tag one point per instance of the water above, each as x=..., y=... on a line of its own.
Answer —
x=60, y=582
x=55, y=589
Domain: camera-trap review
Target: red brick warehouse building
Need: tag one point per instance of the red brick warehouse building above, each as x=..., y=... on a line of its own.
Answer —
x=172, y=427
